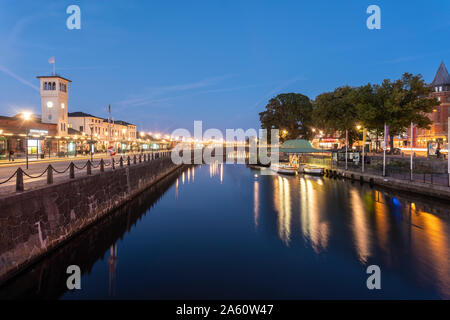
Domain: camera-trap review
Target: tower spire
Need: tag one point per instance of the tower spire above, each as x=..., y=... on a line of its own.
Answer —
x=442, y=77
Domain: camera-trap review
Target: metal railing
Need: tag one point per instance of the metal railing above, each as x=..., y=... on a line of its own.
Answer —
x=50, y=170
x=401, y=173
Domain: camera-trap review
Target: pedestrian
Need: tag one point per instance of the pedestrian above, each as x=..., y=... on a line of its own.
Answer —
x=11, y=155
x=438, y=152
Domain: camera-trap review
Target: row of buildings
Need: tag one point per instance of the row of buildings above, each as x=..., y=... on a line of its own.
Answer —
x=58, y=132
x=426, y=140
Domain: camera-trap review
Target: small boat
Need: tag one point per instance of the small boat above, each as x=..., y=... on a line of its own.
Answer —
x=284, y=169
x=254, y=166
x=313, y=170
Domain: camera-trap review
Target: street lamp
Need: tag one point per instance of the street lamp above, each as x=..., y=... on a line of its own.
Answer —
x=363, y=145
x=92, y=142
x=26, y=117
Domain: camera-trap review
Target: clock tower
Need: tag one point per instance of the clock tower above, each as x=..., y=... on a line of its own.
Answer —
x=54, y=101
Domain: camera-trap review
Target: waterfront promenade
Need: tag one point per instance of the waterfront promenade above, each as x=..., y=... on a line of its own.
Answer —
x=38, y=166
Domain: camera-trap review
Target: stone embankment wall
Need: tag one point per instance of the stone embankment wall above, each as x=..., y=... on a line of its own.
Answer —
x=34, y=222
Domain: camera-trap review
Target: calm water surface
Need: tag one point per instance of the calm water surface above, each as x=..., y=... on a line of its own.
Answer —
x=226, y=231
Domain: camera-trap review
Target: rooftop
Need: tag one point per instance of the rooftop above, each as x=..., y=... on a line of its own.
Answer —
x=442, y=77
x=298, y=146
x=82, y=114
x=124, y=123
x=54, y=76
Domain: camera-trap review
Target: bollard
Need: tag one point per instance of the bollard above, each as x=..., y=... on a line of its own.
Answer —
x=145, y=157
x=361, y=179
x=371, y=182
x=102, y=165
x=140, y=158
x=19, y=180
x=134, y=159
x=88, y=168
x=121, y=162
x=49, y=174
x=352, y=176
x=72, y=171
x=128, y=161
x=112, y=164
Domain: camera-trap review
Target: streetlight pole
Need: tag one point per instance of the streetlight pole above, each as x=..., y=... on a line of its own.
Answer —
x=364, y=147
x=92, y=143
x=448, y=151
x=26, y=116
x=26, y=144
x=346, y=149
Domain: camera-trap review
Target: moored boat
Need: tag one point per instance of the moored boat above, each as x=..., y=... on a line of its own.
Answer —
x=284, y=169
x=313, y=170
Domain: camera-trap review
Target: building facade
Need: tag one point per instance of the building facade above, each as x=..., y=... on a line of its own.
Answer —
x=104, y=132
x=40, y=139
x=56, y=132
x=438, y=132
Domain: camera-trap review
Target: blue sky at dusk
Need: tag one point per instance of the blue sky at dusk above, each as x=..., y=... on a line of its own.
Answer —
x=164, y=64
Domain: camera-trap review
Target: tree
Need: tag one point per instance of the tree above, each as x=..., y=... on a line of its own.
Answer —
x=290, y=113
x=336, y=112
x=401, y=102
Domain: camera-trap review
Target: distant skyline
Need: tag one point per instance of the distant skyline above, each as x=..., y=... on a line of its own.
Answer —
x=163, y=64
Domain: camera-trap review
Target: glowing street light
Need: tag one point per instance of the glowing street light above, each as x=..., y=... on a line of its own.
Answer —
x=26, y=117
x=363, y=145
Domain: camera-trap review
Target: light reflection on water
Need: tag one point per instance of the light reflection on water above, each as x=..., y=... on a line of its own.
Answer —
x=382, y=226
x=226, y=231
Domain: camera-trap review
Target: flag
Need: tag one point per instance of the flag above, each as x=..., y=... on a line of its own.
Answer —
x=51, y=60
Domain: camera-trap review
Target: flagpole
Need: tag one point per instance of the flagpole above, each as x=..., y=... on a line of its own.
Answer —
x=411, y=165
x=448, y=151
x=384, y=152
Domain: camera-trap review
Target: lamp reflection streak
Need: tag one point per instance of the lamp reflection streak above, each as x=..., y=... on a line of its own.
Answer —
x=312, y=228
x=360, y=226
x=282, y=201
x=256, y=202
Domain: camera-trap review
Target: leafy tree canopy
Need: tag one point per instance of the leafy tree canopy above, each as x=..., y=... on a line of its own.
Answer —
x=290, y=113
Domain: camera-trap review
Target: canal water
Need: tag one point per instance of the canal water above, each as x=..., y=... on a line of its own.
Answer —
x=227, y=231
